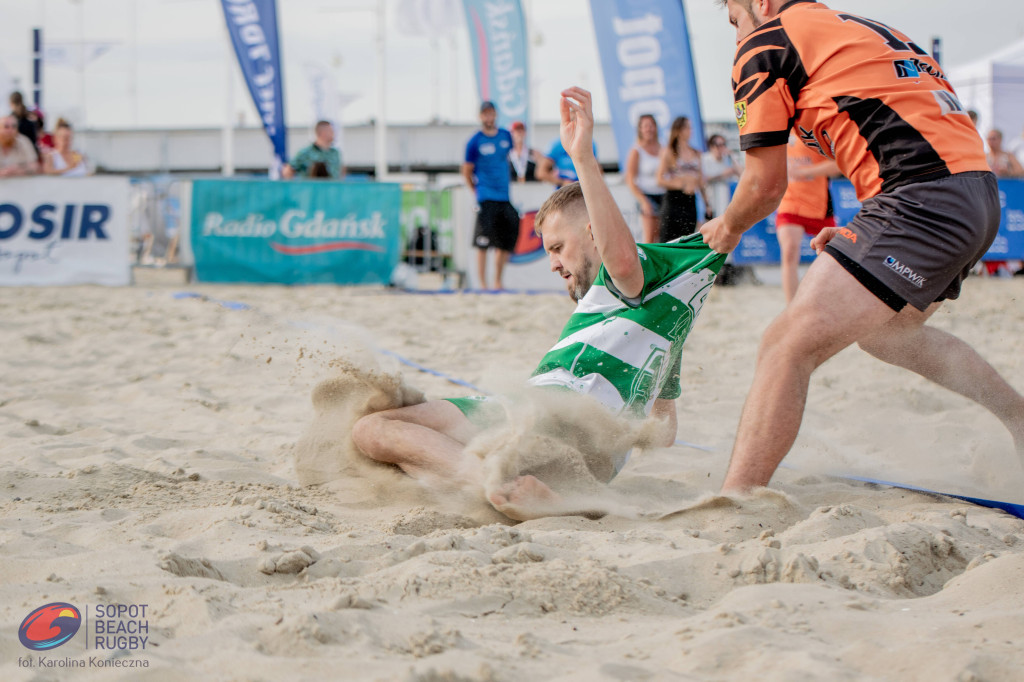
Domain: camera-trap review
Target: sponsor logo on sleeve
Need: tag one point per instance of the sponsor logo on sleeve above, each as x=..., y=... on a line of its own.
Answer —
x=741, y=113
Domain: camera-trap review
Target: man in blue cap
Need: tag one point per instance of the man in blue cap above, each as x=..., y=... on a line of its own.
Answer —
x=486, y=173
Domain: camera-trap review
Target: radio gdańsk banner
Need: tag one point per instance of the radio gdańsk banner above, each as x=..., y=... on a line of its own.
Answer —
x=252, y=25
x=645, y=55
x=300, y=232
x=56, y=231
x=497, y=33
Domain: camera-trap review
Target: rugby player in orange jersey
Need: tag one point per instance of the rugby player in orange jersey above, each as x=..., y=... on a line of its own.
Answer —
x=866, y=96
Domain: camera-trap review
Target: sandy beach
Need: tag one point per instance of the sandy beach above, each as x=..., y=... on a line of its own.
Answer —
x=148, y=458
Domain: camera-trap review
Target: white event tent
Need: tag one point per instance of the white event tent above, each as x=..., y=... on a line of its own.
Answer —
x=994, y=87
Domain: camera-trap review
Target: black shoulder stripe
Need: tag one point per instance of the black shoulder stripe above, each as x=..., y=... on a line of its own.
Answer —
x=777, y=59
x=901, y=151
x=763, y=35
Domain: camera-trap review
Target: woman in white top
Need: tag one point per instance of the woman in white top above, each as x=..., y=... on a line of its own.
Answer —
x=642, y=176
x=64, y=160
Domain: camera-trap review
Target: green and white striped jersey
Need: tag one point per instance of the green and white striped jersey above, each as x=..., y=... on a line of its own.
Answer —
x=626, y=353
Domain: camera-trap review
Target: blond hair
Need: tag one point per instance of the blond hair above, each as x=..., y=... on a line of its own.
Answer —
x=568, y=199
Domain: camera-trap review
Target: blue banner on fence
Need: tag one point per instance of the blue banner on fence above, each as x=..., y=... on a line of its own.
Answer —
x=497, y=32
x=648, y=68
x=252, y=25
x=1009, y=243
x=760, y=246
x=300, y=232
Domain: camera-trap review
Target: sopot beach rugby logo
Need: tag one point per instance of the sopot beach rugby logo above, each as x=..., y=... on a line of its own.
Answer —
x=50, y=626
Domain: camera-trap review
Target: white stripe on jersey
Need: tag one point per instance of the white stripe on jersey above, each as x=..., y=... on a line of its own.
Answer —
x=593, y=385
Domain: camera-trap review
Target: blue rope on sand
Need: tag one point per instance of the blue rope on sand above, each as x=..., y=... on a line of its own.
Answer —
x=433, y=372
x=230, y=305
x=1008, y=507
x=479, y=292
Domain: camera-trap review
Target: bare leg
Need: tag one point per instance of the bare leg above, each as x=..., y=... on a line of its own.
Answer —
x=425, y=440
x=500, y=259
x=650, y=228
x=831, y=310
x=790, y=237
x=943, y=358
x=481, y=267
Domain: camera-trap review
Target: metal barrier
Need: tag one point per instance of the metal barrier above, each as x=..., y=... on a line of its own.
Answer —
x=428, y=237
x=155, y=219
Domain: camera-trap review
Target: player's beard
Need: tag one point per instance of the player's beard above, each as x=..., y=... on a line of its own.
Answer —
x=583, y=279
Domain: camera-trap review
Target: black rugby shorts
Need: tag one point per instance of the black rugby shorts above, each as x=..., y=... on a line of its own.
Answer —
x=917, y=243
x=497, y=226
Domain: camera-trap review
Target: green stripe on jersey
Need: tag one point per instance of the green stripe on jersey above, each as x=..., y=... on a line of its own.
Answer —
x=625, y=354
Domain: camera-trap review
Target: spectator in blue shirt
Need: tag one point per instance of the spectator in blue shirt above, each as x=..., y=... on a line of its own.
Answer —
x=486, y=173
x=558, y=168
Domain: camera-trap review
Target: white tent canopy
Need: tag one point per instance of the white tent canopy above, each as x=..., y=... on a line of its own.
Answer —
x=994, y=87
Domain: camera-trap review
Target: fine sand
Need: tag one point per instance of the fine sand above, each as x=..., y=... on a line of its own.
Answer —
x=148, y=456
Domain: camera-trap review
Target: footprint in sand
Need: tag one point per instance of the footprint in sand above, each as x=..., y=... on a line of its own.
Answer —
x=185, y=567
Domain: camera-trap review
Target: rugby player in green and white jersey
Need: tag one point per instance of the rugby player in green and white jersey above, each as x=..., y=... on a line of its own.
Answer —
x=621, y=346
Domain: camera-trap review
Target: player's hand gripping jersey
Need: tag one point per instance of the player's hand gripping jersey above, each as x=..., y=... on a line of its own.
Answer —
x=858, y=92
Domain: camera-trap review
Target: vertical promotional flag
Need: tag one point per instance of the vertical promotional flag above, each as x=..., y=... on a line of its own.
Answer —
x=252, y=25
x=648, y=68
x=497, y=33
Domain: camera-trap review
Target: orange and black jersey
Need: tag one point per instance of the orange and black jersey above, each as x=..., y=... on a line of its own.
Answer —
x=856, y=91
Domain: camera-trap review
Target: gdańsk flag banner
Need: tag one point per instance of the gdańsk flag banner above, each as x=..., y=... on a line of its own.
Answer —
x=648, y=68
x=497, y=33
x=252, y=25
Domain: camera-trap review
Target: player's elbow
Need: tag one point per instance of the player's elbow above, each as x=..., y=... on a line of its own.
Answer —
x=771, y=190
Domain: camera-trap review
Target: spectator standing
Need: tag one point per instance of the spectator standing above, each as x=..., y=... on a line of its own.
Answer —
x=63, y=159
x=523, y=160
x=44, y=140
x=322, y=149
x=1017, y=148
x=1003, y=163
x=679, y=172
x=486, y=173
x=17, y=155
x=720, y=169
x=642, y=176
x=27, y=124
x=806, y=207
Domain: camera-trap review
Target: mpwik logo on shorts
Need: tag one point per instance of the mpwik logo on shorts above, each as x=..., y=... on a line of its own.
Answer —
x=905, y=271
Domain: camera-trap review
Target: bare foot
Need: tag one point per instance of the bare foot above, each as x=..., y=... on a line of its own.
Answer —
x=525, y=498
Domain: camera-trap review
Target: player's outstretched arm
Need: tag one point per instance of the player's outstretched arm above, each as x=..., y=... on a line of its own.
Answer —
x=611, y=234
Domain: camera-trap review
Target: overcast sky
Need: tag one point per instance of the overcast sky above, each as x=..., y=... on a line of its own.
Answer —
x=165, y=60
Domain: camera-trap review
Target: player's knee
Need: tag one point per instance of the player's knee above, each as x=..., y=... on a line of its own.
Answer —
x=793, y=339
x=366, y=434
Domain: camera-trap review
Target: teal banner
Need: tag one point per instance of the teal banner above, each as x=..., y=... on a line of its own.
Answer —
x=300, y=232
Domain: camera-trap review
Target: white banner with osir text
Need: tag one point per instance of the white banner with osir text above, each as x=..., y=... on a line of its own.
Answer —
x=56, y=231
